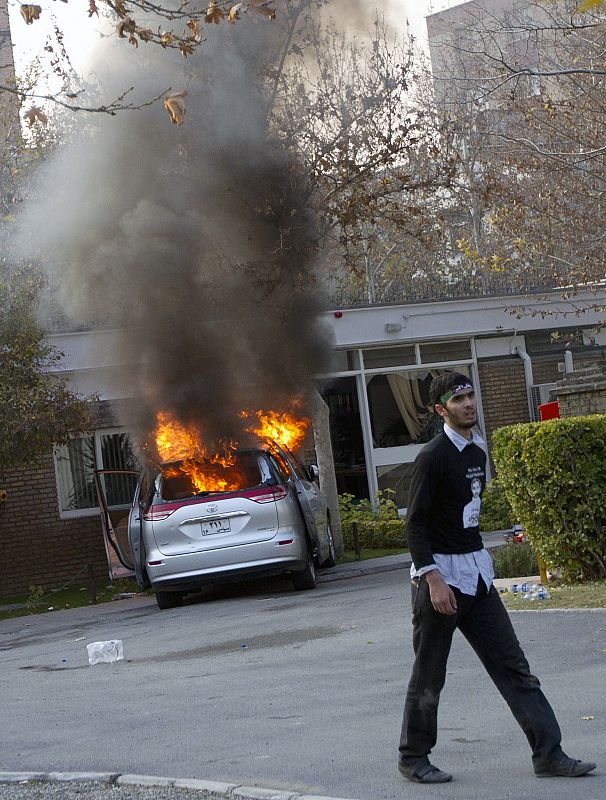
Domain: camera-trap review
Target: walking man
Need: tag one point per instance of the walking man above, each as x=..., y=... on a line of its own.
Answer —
x=452, y=588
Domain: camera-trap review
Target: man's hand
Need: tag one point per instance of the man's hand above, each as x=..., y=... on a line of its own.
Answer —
x=442, y=596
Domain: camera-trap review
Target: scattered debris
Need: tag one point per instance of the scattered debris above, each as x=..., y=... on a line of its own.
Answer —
x=105, y=652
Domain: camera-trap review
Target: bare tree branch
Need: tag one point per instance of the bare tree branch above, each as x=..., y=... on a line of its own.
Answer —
x=112, y=108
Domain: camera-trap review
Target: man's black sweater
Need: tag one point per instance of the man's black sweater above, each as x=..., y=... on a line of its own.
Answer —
x=442, y=512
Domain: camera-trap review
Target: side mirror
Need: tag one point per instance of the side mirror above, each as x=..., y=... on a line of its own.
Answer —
x=314, y=472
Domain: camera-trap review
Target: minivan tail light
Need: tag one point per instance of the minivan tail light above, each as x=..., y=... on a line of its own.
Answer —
x=156, y=514
x=269, y=494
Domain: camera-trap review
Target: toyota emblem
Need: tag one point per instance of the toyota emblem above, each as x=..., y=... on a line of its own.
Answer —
x=212, y=509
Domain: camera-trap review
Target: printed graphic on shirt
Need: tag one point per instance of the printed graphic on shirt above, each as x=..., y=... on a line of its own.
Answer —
x=471, y=512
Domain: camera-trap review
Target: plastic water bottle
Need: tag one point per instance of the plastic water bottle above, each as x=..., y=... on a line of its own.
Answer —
x=542, y=593
x=105, y=652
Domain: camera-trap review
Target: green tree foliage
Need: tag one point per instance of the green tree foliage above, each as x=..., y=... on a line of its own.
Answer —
x=37, y=409
x=554, y=476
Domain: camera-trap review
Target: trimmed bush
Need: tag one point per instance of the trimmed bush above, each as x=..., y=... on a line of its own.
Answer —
x=379, y=527
x=495, y=512
x=514, y=560
x=554, y=476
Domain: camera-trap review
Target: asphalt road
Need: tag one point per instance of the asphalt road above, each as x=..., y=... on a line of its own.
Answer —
x=303, y=692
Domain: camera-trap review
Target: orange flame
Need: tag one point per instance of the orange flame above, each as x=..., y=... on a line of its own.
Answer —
x=283, y=428
x=173, y=440
x=203, y=477
x=206, y=471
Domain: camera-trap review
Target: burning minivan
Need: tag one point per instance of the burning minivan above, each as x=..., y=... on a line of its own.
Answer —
x=196, y=521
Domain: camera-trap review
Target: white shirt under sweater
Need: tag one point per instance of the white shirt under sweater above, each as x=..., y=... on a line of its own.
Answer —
x=461, y=569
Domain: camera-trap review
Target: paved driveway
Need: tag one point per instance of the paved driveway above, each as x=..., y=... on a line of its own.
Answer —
x=300, y=691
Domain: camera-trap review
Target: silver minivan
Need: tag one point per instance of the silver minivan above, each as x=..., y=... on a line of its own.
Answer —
x=264, y=516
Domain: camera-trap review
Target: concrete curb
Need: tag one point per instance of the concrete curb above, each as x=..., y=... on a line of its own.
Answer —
x=216, y=788
x=361, y=569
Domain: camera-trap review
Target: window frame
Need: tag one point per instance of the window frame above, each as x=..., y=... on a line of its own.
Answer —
x=96, y=435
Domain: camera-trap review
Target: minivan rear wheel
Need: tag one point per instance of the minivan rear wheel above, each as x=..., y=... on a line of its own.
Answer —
x=306, y=578
x=169, y=600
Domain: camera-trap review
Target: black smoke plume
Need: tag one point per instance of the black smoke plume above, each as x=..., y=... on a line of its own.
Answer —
x=194, y=241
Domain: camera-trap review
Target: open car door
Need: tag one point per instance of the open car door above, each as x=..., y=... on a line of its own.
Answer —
x=115, y=492
x=306, y=496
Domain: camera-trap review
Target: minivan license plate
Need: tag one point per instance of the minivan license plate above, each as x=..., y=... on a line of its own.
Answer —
x=215, y=526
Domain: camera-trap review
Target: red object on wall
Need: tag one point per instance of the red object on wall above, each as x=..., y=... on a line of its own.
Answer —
x=549, y=411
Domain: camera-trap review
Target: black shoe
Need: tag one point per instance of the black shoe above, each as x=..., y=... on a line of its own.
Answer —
x=423, y=772
x=563, y=767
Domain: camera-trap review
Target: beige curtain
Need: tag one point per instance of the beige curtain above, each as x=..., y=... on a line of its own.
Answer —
x=408, y=399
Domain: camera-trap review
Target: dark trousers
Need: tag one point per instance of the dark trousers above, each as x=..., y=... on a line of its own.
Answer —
x=485, y=623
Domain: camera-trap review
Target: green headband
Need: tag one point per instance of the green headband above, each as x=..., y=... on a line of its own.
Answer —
x=461, y=387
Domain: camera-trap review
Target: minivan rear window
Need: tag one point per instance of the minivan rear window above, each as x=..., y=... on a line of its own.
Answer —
x=181, y=480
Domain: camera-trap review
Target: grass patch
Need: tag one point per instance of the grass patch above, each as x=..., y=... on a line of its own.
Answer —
x=40, y=600
x=582, y=595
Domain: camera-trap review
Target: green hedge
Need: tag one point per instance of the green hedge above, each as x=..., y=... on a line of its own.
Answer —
x=496, y=513
x=514, y=560
x=378, y=527
x=554, y=476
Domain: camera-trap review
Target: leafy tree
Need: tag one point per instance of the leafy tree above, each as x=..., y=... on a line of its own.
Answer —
x=181, y=27
x=523, y=86
x=374, y=160
x=37, y=410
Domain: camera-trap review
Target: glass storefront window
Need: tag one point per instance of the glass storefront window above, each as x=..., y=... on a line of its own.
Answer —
x=396, y=477
x=400, y=412
x=344, y=360
x=445, y=351
x=341, y=397
x=389, y=356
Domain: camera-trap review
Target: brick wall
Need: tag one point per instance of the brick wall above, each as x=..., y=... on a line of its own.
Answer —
x=545, y=370
x=581, y=403
x=504, y=396
x=503, y=388
x=583, y=391
x=37, y=547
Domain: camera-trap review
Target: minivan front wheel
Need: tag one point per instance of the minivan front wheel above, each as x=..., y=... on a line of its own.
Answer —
x=306, y=578
x=332, y=555
x=169, y=600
